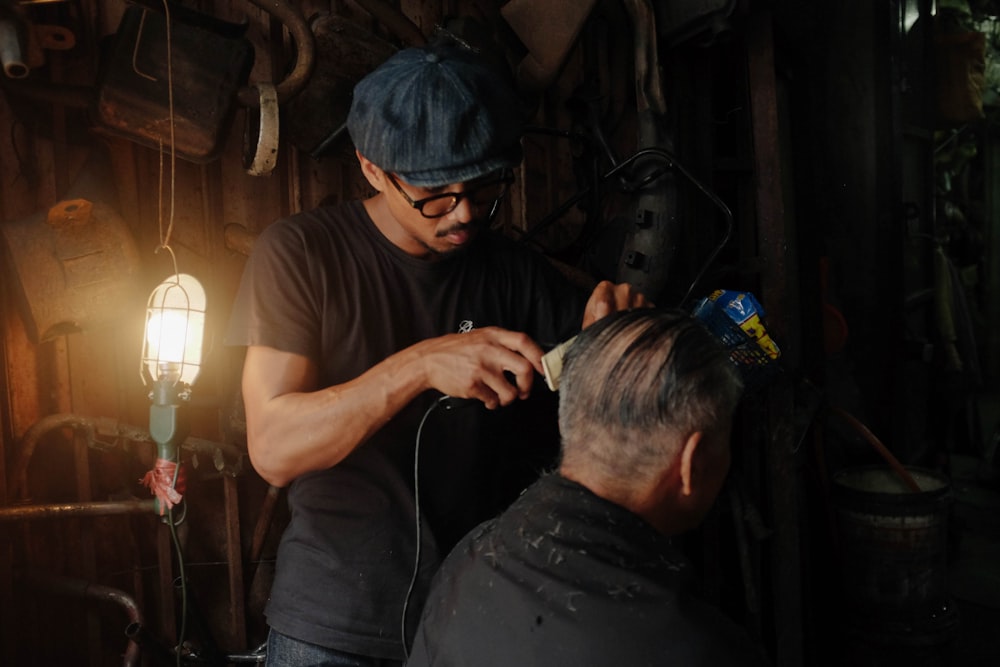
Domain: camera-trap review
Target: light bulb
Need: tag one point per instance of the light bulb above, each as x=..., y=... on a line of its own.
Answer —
x=175, y=324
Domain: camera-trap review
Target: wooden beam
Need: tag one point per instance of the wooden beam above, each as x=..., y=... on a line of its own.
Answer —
x=234, y=558
x=777, y=251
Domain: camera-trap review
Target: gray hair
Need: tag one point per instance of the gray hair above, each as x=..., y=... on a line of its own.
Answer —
x=635, y=381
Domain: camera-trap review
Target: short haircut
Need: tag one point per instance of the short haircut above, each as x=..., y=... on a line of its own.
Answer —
x=633, y=382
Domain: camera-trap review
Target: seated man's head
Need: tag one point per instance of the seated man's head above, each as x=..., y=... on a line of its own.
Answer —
x=646, y=401
x=437, y=130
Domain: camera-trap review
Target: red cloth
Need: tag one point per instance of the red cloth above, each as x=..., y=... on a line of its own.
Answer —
x=161, y=483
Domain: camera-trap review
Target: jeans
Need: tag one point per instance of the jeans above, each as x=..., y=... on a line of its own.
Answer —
x=284, y=651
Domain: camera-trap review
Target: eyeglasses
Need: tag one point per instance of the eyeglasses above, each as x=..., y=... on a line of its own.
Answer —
x=487, y=193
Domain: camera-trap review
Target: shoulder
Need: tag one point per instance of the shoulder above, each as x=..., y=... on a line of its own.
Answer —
x=314, y=233
x=322, y=220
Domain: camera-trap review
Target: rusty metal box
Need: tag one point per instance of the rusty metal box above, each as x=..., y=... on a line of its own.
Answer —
x=207, y=69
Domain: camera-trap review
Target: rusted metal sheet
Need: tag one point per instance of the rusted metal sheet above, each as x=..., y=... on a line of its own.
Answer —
x=76, y=265
x=187, y=98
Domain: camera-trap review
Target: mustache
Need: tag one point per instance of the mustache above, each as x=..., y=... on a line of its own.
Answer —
x=474, y=224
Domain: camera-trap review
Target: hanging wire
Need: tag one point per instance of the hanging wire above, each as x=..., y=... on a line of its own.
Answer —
x=164, y=239
x=164, y=236
x=172, y=523
x=443, y=400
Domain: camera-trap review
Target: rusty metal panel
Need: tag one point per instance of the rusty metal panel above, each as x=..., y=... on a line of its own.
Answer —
x=76, y=265
x=187, y=99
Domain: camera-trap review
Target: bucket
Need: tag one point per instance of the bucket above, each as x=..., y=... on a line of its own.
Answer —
x=893, y=544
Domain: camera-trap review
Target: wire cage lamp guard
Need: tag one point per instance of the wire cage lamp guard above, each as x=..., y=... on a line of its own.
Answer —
x=171, y=361
x=175, y=324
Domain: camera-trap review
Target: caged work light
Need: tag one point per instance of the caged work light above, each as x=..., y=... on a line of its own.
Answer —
x=171, y=361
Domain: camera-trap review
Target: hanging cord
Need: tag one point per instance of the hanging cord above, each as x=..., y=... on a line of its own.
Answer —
x=416, y=509
x=164, y=237
x=172, y=523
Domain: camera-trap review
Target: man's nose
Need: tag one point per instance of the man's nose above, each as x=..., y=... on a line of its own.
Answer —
x=465, y=211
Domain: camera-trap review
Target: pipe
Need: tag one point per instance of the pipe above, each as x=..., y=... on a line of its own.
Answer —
x=29, y=441
x=61, y=585
x=153, y=647
x=288, y=15
x=226, y=458
x=305, y=59
x=882, y=450
x=61, y=510
x=257, y=657
x=10, y=51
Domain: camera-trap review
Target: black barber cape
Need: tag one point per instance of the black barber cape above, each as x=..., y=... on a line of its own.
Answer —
x=565, y=577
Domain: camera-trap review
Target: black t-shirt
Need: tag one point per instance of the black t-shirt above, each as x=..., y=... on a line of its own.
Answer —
x=328, y=285
x=564, y=577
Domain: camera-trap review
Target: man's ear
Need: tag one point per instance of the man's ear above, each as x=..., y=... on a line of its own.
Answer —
x=687, y=460
x=372, y=172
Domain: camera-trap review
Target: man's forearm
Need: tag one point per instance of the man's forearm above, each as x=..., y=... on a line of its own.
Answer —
x=293, y=432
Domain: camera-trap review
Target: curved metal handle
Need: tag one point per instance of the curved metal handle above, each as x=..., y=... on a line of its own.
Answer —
x=305, y=59
x=265, y=155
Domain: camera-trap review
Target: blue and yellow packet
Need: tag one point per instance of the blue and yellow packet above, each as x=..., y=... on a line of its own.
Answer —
x=737, y=320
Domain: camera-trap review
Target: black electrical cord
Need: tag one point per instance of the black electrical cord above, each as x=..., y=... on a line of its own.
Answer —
x=443, y=400
x=173, y=523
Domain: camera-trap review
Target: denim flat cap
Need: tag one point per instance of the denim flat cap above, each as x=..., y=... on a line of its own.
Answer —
x=436, y=116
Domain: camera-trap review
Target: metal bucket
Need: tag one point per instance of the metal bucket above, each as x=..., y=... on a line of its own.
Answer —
x=893, y=544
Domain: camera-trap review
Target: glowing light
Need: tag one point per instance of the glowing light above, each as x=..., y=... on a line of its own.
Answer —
x=175, y=325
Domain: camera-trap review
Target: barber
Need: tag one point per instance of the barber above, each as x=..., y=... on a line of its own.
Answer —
x=357, y=317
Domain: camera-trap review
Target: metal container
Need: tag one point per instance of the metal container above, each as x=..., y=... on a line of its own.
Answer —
x=893, y=544
x=206, y=70
x=76, y=265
